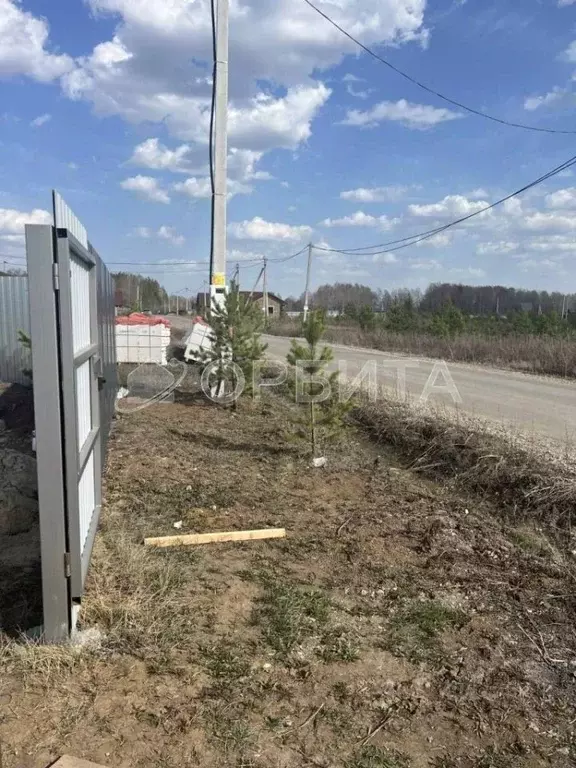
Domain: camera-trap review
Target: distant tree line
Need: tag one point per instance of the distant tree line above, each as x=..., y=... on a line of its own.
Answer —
x=471, y=299
x=136, y=293
x=448, y=310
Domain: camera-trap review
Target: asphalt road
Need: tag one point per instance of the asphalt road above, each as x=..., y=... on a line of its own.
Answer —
x=535, y=405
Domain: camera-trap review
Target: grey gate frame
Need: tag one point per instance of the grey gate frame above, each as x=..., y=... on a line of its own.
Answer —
x=73, y=351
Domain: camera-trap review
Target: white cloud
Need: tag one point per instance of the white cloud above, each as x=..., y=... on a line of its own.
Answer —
x=468, y=271
x=550, y=221
x=170, y=234
x=241, y=171
x=564, y=3
x=23, y=51
x=384, y=258
x=533, y=103
x=361, y=219
x=426, y=264
x=451, y=206
x=479, y=192
x=146, y=188
x=570, y=52
x=441, y=240
x=374, y=194
x=268, y=122
x=200, y=188
x=154, y=67
x=163, y=233
x=562, y=199
x=194, y=187
x=350, y=78
x=12, y=221
x=416, y=116
x=501, y=248
x=359, y=94
x=40, y=120
x=152, y=154
x=259, y=229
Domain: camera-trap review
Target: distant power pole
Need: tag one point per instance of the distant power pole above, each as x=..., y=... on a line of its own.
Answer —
x=307, y=289
x=236, y=277
x=220, y=153
x=265, y=290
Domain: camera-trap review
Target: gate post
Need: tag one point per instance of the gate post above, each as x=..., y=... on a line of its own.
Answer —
x=43, y=287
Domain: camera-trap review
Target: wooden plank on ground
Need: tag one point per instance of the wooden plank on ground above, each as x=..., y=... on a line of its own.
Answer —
x=211, y=538
x=67, y=761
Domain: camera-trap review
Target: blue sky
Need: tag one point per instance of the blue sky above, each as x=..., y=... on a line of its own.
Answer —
x=107, y=100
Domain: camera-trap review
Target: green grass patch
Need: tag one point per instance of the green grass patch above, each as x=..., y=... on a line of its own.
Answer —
x=414, y=631
x=376, y=757
x=287, y=614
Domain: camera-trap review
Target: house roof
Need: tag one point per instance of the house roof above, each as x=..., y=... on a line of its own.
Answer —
x=256, y=295
x=260, y=295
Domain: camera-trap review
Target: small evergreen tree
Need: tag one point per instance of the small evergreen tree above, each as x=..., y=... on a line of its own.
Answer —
x=367, y=318
x=315, y=388
x=235, y=335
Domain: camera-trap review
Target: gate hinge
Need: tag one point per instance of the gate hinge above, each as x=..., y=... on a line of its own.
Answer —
x=67, y=565
x=56, y=277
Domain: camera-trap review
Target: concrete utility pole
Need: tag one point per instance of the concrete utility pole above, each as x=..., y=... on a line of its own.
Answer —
x=307, y=289
x=265, y=290
x=218, y=263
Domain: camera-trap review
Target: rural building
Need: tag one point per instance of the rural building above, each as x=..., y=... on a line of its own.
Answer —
x=275, y=303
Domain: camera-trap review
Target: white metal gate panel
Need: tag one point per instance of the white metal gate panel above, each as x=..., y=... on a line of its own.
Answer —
x=74, y=365
x=81, y=369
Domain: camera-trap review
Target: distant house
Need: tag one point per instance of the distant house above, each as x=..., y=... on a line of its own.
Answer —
x=275, y=303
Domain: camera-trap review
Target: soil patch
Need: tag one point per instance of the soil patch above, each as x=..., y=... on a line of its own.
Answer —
x=20, y=584
x=401, y=623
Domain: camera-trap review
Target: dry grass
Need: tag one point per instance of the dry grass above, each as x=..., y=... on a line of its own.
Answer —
x=499, y=467
x=390, y=629
x=531, y=354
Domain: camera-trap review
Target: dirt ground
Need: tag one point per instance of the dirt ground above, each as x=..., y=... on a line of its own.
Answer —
x=399, y=624
x=20, y=586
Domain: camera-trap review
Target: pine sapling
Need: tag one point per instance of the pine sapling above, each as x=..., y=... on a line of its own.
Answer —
x=316, y=389
x=235, y=335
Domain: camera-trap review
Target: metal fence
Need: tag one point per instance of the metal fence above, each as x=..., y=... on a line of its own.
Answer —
x=74, y=365
x=14, y=317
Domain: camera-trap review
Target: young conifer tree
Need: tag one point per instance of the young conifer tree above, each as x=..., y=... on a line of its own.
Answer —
x=235, y=334
x=316, y=389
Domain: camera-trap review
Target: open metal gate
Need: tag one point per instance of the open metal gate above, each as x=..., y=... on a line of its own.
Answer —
x=73, y=355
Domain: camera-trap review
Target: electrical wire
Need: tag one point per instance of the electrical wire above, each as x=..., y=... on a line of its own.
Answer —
x=368, y=250
x=427, y=88
x=211, y=136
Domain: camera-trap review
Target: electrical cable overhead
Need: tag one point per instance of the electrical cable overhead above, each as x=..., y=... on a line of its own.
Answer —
x=368, y=250
x=211, y=133
x=453, y=102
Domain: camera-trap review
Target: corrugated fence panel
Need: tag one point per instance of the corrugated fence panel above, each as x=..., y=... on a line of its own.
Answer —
x=80, y=277
x=83, y=402
x=64, y=217
x=86, y=500
x=107, y=339
x=14, y=317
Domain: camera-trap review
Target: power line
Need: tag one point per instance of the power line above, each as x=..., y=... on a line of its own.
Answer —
x=419, y=237
x=211, y=134
x=427, y=88
x=156, y=263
